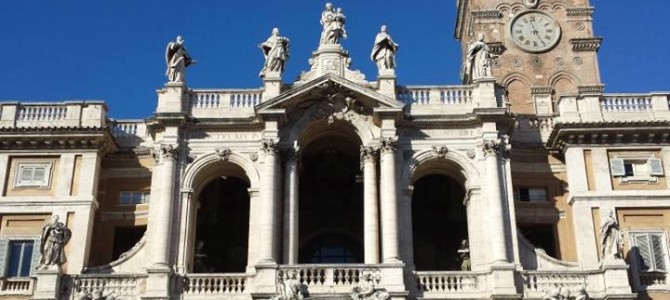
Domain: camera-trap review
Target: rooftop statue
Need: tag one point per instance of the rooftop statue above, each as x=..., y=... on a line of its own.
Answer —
x=477, y=62
x=383, y=52
x=333, y=21
x=177, y=59
x=275, y=50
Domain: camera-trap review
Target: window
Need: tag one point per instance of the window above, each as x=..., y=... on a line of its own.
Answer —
x=636, y=168
x=536, y=194
x=32, y=175
x=133, y=197
x=649, y=249
x=20, y=258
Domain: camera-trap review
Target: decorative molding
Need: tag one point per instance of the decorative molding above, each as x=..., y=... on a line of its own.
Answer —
x=486, y=14
x=223, y=153
x=579, y=11
x=531, y=3
x=586, y=44
x=440, y=152
x=591, y=89
x=166, y=151
x=541, y=90
x=497, y=48
x=368, y=153
x=498, y=146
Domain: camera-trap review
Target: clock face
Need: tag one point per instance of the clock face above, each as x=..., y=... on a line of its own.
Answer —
x=535, y=31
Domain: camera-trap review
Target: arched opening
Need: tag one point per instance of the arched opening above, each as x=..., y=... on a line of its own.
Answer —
x=222, y=226
x=331, y=197
x=439, y=222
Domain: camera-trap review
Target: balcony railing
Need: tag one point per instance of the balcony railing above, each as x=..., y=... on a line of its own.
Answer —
x=653, y=281
x=53, y=115
x=449, y=282
x=120, y=286
x=17, y=286
x=436, y=95
x=129, y=133
x=614, y=108
x=214, y=284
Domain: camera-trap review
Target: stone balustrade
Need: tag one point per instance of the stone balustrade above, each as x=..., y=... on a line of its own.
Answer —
x=449, y=284
x=436, y=95
x=123, y=286
x=335, y=279
x=653, y=281
x=222, y=103
x=69, y=114
x=614, y=108
x=537, y=283
x=533, y=129
x=17, y=286
x=129, y=133
x=198, y=285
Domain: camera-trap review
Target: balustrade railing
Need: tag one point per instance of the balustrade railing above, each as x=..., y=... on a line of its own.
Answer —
x=436, y=95
x=214, y=284
x=225, y=98
x=542, y=281
x=64, y=114
x=16, y=286
x=42, y=113
x=653, y=280
x=447, y=281
x=626, y=103
x=116, y=285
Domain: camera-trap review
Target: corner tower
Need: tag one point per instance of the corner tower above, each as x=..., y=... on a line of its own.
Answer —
x=545, y=48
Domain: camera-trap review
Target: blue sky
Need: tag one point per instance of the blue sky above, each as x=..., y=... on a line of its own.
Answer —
x=114, y=50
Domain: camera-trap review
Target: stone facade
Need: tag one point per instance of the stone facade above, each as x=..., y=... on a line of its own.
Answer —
x=336, y=187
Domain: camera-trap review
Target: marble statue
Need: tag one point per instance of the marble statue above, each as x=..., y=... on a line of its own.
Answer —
x=97, y=294
x=177, y=59
x=55, y=236
x=610, y=238
x=464, y=255
x=333, y=21
x=367, y=289
x=477, y=62
x=582, y=294
x=275, y=50
x=290, y=288
x=384, y=50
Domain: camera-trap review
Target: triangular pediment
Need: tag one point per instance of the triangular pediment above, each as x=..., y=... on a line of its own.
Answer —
x=329, y=88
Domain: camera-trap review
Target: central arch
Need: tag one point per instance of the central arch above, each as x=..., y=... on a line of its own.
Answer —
x=331, y=194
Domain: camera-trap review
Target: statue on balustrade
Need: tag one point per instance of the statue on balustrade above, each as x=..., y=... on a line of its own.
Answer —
x=290, y=288
x=478, y=61
x=610, y=239
x=177, y=59
x=367, y=289
x=464, y=255
x=333, y=21
x=97, y=294
x=275, y=50
x=55, y=236
x=384, y=50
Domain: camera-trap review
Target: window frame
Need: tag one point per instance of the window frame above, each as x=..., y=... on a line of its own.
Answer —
x=635, y=259
x=44, y=183
x=21, y=259
x=517, y=194
x=144, y=198
x=620, y=165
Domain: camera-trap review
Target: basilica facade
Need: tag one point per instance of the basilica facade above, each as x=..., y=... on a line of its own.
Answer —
x=525, y=182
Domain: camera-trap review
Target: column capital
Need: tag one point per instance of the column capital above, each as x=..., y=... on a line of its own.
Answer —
x=368, y=153
x=497, y=146
x=388, y=144
x=165, y=152
x=270, y=145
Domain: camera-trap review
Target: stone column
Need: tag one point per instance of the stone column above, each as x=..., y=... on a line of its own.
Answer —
x=162, y=207
x=266, y=251
x=495, y=204
x=389, y=202
x=370, y=205
x=291, y=207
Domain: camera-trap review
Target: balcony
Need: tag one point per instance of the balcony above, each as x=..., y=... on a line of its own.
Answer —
x=17, y=286
x=614, y=108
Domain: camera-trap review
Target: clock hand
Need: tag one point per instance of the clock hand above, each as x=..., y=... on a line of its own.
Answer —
x=537, y=34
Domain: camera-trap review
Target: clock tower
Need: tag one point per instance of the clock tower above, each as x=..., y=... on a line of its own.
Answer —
x=545, y=48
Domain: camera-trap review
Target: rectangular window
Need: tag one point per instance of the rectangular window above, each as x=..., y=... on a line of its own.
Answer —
x=650, y=251
x=20, y=257
x=133, y=198
x=535, y=194
x=32, y=175
x=636, y=168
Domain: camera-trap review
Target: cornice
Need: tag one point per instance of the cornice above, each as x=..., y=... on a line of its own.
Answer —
x=638, y=133
x=586, y=44
x=591, y=89
x=535, y=90
x=579, y=11
x=486, y=14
